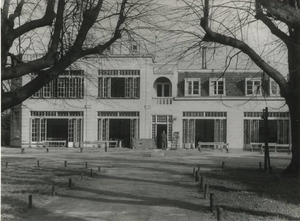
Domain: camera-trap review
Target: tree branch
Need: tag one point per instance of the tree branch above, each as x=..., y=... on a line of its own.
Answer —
x=45, y=20
x=211, y=36
x=282, y=11
x=273, y=28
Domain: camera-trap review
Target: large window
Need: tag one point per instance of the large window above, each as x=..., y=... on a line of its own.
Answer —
x=216, y=86
x=253, y=86
x=163, y=87
x=70, y=84
x=119, y=84
x=192, y=87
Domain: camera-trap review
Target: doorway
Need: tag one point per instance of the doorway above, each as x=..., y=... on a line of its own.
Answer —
x=159, y=129
x=119, y=129
x=204, y=131
x=57, y=129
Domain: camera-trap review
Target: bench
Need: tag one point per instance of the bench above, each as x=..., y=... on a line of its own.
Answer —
x=107, y=143
x=214, y=145
x=272, y=146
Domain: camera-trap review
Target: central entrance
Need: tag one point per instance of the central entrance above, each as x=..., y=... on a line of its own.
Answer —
x=160, y=128
x=57, y=129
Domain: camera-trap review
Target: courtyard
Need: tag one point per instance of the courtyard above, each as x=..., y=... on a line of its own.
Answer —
x=125, y=184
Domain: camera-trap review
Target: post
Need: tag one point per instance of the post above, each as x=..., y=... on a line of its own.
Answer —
x=206, y=191
x=47, y=149
x=22, y=150
x=38, y=163
x=267, y=163
x=81, y=176
x=223, y=165
x=86, y=165
x=91, y=172
x=70, y=183
x=212, y=202
x=6, y=164
x=65, y=163
x=220, y=214
x=202, y=182
x=106, y=146
x=53, y=190
x=259, y=165
x=194, y=172
x=30, y=201
x=197, y=176
x=99, y=168
x=81, y=149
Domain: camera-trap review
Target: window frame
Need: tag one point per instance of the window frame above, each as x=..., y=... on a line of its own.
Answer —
x=213, y=86
x=254, y=92
x=186, y=87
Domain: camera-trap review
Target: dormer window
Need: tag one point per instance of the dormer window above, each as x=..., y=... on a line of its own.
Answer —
x=192, y=87
x=253, y=87
x=217, y=86
x=274, y=88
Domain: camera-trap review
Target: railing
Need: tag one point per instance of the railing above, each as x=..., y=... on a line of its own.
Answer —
x=163, y=100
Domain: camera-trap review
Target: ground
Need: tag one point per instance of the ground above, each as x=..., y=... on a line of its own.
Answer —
x=131, y=185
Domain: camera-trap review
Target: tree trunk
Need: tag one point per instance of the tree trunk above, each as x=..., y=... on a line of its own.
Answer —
x=294, y=106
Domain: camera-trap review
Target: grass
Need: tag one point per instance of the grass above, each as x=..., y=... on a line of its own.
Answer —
x=23, y=177
x=250, y=194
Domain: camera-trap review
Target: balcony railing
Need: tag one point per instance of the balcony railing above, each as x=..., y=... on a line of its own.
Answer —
x=163, y=100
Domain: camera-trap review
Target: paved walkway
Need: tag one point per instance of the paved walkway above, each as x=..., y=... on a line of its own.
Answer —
x=132, y=186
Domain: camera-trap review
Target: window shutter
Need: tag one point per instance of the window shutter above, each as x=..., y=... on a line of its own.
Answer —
x=186, y=87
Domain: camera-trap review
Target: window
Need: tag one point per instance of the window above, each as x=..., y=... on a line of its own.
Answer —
x=134, y=47
x=119, y=84
x=274, y=88
x=217, y=86
x=253, y=87
x=70, y=84
x=192, y=87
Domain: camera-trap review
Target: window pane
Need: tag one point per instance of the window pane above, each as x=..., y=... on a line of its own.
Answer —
x=159, y=90
x=117, y=87
x=196, y=87
x=220, y=87
x=166, y=90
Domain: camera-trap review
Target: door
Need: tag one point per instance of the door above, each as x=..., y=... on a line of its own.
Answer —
x=159, y=129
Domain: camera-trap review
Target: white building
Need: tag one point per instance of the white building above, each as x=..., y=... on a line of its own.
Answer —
x=124, y=95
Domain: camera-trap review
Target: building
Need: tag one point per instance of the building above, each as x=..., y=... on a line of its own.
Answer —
x=124, y=94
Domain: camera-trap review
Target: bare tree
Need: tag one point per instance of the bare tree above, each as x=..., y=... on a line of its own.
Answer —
x=60, y=32
x=282, y=19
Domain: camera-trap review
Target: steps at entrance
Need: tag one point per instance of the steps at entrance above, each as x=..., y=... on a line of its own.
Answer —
x=143, y=144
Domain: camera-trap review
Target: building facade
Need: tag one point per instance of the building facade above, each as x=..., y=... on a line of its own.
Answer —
x=120, y=96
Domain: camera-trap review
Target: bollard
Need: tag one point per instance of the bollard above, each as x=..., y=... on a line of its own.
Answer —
x=91, y=172
x=81, y=149
x=198, y=167
x=99, y=168
x=259, y=165
x=30, y=201
x=65, y=163
x=86, y=165
x=53, y=190
x=38, y=163
x=202, y=182
x=6, y=164
x=194, y=172
x=220, y=214
x=212, y=202
x=70, y=183
x=223, y=165
x=81, y=176
x=22, y=150
x=47, y=149
x=197, y=176
x=105, y=147
x=206, y=191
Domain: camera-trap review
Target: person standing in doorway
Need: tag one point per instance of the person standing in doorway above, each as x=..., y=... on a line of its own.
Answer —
x=163, y=140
